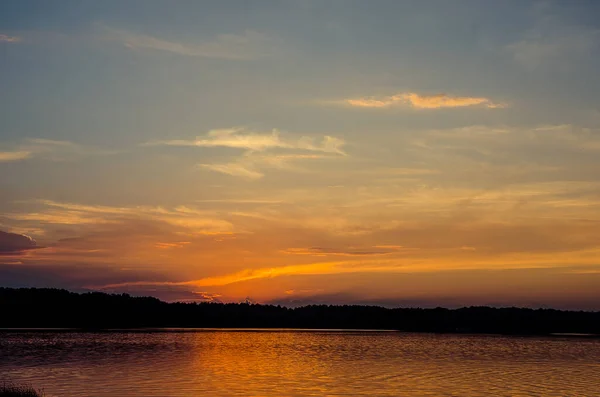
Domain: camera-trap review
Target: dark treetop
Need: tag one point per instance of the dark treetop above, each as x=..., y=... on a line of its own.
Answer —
x=54, y=308
x=11, y=390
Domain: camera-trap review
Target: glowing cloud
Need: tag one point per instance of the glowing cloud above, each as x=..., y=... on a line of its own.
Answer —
x=14, y=156
x=249, y=165
x=418, y=101
x=179, y=244
x=242, y=138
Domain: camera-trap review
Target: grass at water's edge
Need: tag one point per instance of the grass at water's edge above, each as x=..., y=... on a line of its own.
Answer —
x=8, y=389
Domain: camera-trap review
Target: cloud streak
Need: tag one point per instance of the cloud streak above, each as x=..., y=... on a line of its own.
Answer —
x=49, y=149
x=59, y=213
x=241, y=138
x=234, y=169
x=250, y=165
x=258, y=148
x=14, y=156
x=244, y=46
x=248, y=275
x=381, y=266
x=352, y=252
x=9, y=39
x=422, y=101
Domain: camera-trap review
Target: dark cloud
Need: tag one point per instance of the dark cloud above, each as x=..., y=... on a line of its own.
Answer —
x=13, y=243
x=73, y=276
x=82, y=277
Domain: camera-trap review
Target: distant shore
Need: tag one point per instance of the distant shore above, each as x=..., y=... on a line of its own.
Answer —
x=9, y=389
x=55, y=310
x=280, y=330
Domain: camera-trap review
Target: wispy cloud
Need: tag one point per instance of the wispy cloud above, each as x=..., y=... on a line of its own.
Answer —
x=9, y=39
x=234, y=169
x=421, y=101
x=242, y=138
x=339, y=267
x=174, y=245
x=61, y=213
x=247, y=45
x=253, y=274
x=324, y=251
x=258, y=148
x=484, y=142
x=249, y=166
x=14, y=156
x=240, y=201
x=385, y=266
x=400, y=171
x=50, y=150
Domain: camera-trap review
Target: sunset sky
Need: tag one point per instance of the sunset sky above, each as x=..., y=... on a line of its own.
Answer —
x=401, y=153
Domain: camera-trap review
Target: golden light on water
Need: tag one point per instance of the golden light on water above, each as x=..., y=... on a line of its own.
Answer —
x=296, y=149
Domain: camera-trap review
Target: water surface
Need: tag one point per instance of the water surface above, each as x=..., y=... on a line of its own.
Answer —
x=291, y=363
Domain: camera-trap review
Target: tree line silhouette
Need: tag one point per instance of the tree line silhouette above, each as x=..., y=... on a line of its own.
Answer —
x=59, y=308
x=8, y=389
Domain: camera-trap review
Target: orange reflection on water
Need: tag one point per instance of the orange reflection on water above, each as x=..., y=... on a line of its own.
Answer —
x=299, y=363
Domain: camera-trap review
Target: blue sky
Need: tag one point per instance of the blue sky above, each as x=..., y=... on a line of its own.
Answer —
x=302, y=150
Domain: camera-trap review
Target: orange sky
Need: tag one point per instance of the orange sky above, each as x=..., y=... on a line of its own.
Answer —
x=297, y=154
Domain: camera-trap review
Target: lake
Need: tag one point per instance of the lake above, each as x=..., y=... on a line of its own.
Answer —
x=299, y=363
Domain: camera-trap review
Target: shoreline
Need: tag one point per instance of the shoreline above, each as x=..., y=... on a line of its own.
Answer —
x=157, y=330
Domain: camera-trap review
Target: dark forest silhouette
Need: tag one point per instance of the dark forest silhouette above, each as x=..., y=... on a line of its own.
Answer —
x=57, y=308
x=8, y=389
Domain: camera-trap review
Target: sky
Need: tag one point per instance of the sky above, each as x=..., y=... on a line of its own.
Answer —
x=398, y=153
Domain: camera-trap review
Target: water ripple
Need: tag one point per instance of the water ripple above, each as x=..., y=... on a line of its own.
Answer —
x=269, y=364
